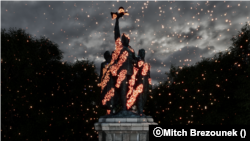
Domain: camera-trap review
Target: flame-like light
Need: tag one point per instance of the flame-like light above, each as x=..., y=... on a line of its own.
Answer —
x=132, y=82
x=114, y=70
x=105, y=80
x=121, y=77
x=117, y=51
x=140, y=63
x=104, y=71
x=122, y=59
x=145, y=69
x=108, y=96
x=149, y=81
x=129, y=91
x=132, y=99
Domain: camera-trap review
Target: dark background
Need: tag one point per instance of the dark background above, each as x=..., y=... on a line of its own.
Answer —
x=46, y=98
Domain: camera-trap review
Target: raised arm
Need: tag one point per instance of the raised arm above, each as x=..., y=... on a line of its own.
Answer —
x=117, y=29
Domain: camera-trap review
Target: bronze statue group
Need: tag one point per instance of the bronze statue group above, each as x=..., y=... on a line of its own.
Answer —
x=124, y=78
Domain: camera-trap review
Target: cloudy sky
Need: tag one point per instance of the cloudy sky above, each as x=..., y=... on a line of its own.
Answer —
x=178, y=33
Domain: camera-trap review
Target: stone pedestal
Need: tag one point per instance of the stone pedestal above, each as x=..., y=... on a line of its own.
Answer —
x=124, y=129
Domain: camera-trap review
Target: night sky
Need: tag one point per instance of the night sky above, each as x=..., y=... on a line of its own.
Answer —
x=177, y=32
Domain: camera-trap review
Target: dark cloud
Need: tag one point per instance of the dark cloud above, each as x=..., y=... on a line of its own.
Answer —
x=68, y=25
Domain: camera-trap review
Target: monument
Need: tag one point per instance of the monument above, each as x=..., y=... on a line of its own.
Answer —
x=124, y=79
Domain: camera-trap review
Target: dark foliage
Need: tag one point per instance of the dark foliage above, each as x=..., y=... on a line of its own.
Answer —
x=42, y=97
x=215, y=91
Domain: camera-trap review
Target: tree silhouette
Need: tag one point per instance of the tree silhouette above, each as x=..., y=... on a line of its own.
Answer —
x=42, y=97
x=215, y=91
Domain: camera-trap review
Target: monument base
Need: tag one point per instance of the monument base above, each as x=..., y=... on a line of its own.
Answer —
x=124, y=129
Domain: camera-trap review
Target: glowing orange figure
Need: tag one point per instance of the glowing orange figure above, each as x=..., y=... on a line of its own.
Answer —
x=149, y=81
x=145, y=69
x=132, y=99
x=121, y=77
x=108, y=96
x=140, y=63
x=132, y=82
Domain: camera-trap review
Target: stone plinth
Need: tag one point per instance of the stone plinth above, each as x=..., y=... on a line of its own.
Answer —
x=124, y=129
